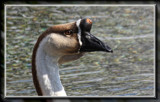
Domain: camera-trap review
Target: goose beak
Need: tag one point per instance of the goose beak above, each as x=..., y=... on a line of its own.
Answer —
x=91, y=43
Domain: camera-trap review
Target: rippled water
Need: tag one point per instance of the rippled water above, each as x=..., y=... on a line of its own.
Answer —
x=129, y=30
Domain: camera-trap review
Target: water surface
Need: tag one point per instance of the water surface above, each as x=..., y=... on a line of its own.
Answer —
x=128, y=30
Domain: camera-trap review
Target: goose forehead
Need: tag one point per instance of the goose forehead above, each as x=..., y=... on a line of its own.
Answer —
x=63, y=27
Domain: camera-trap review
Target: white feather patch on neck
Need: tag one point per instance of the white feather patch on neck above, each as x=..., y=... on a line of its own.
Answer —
x=48, y=72
x=79, y=31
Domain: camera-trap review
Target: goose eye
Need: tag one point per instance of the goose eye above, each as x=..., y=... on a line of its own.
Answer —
x=68, y=32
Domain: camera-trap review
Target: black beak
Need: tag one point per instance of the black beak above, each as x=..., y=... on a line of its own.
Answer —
x=91, y=43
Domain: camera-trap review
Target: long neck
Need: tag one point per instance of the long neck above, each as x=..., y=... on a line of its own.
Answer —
x=47, y=73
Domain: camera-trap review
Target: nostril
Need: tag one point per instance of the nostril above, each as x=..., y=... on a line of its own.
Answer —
x=88, y=37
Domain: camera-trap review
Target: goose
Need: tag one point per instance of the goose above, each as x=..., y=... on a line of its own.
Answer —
x=57, y=45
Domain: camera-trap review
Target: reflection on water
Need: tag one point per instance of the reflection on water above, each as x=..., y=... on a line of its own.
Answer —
x=129, y=71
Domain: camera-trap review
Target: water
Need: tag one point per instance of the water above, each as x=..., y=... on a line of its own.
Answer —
x=129, y=71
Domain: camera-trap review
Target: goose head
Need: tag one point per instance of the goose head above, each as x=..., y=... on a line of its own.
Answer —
x=59, y=44
x=73, y=38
